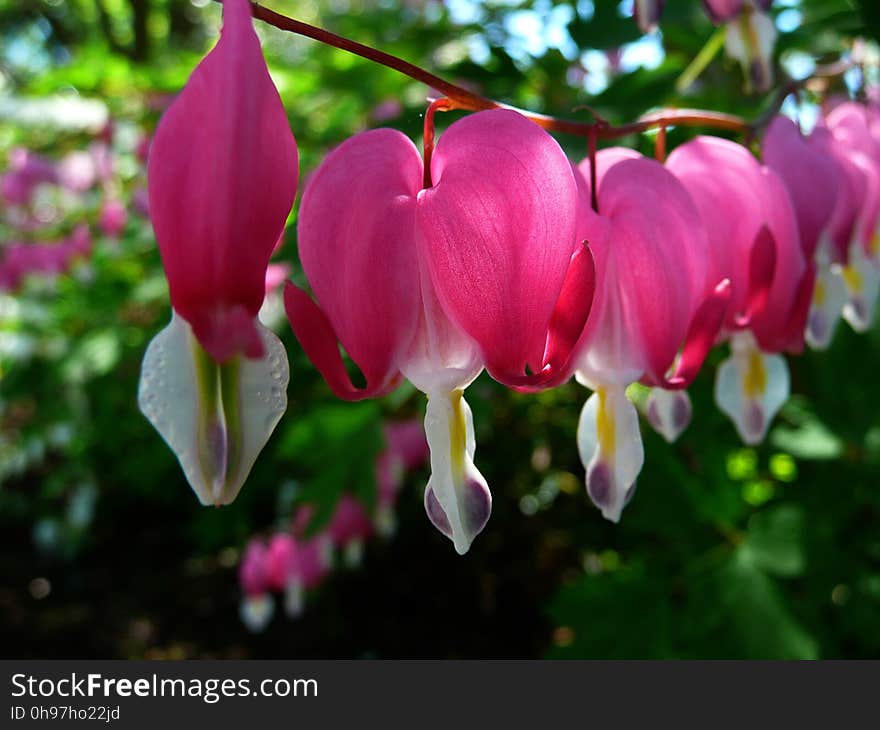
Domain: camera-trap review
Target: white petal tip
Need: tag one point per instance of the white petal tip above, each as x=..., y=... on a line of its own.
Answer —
x=215, y=418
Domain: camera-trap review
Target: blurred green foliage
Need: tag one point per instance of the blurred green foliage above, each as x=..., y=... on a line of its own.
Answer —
x=726, y=551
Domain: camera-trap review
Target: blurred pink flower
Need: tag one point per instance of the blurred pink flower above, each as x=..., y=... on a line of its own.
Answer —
x=77, y=171
x=19, y=259
x=113, y=217
x=143, y=147
x=386, y=110
x=405, y=448
x=140, y=202
x=26, y=170
x=257, y=606
x=349, y=528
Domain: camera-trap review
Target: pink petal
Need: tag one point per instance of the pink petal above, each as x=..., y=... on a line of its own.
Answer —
x=651, y=259
x=357, y=247
x=772, y=325
x=762, y=266
x=252, y=568
x=851, y=192
x=791, y=339
x=851, y=123
x=113, y=217
x=281, y=561
x=349, y=522
x=497, y=233
x=809, y=174
x=319, y=341
x=743, y=207
x=567, y=326
x=701, y=337
x=724, y=181
x=222, y=176
x=720, y=11
x=276, y=275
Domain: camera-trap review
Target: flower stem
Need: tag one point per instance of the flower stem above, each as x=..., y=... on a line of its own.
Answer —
x=468, y=100
x=442, y=105
x=461, y=98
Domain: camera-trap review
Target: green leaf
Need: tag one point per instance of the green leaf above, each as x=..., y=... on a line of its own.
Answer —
x=757, y=612
x=812, y=440
x=774, y=540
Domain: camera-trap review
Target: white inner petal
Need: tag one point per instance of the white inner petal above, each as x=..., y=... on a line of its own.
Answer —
x=610, y=447
x=216, y=419
x=751, y=387
x=256, y=612
x=829, y=296
x=862, y=280
x=668, y=412
x=457, y=497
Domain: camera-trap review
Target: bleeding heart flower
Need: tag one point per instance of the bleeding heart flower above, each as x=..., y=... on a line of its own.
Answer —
x=669, y=412
x=480, y=269
x=349, y=528
x=48, y=259
x=113, y=217
x=257, y=605
x=810, y=176
x=647, y=14
x=814, y=182
x=405, y=448
x=750, y=35
x=850, y=123
x=26, y=170
x=753, y=236
x=77, y=171
x=222, y=178
x=654, y=295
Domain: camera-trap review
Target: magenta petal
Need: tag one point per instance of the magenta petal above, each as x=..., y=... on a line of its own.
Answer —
x=852, y=189
x=810, y=175
x=743, y=204
x=222, y=177
x=702, y=335
x=318, y=340
x=773, y=321
x=358, y=250
x=569, y=319
x=498, y=232
x=762, y=265
x=792, y=339
x=720, y=11
x=652, y=267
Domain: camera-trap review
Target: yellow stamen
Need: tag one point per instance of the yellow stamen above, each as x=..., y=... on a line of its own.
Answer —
x=853, y=279
x=605, y=425
x=457, y=434
x=875, y=245
x=819, y=293
x=755, y=380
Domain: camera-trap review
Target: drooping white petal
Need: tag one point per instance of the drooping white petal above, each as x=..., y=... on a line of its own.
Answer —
x=216, y=418
x=457, y=498
x=256, y=612
x=294, y=598
x=611, y=450
x=862, y=279
x=751, y=387
x=829, y=296
x=353, y=553
x=668, y=412
x=749, y=38
x=385, y=521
